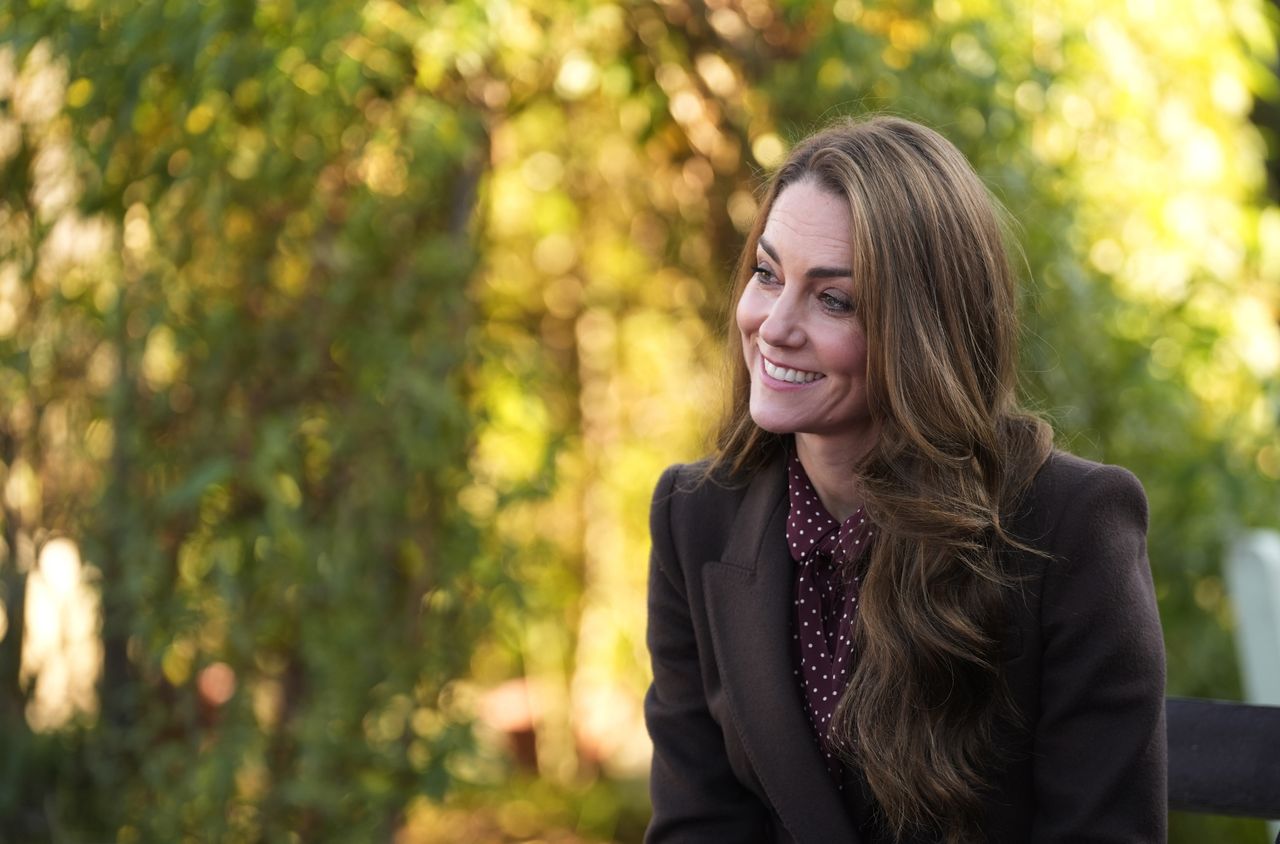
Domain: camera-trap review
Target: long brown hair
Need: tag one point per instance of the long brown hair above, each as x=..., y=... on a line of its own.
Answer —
x=936, y=296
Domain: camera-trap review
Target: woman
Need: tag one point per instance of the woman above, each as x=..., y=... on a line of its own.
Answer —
x=887, y=609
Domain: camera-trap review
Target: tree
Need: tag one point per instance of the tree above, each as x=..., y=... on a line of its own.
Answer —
x=267, y=340
x=380, y=320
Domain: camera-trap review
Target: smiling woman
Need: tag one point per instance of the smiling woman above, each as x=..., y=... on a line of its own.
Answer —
x=802, y=338
x=886, y=609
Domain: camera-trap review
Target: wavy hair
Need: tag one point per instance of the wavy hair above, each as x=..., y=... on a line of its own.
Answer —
x=936, y=295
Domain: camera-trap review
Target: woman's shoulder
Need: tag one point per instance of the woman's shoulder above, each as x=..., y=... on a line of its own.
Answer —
x=1071, y=494
x=696, y=507
x=1064, y=477
x=698, y=486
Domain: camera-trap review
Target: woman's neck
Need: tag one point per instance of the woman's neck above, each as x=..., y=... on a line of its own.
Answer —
x=832, y=469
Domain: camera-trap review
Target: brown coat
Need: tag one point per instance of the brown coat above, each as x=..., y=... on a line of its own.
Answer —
x=734, y=758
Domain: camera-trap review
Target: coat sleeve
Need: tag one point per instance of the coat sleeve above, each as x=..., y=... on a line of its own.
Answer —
x=696, y=797
x=1100, y=740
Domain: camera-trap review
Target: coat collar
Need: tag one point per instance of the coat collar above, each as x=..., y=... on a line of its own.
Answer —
x=749, y=603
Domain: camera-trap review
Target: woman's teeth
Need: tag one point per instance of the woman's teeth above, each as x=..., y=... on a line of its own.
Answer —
x=795, y=376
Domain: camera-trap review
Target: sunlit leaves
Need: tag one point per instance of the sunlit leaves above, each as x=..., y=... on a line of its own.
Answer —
x=281, y=233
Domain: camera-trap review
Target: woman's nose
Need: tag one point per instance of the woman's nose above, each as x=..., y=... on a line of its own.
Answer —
x=782, y=326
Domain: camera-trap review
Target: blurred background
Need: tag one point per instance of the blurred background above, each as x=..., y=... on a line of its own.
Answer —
x=341, y=345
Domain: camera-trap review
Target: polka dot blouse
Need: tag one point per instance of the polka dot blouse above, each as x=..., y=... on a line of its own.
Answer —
x=826, y=601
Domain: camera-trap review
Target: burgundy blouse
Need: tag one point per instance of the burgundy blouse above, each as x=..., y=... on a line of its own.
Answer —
x=826, y=601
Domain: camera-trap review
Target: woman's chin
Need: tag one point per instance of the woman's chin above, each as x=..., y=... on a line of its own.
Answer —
x=772, y=424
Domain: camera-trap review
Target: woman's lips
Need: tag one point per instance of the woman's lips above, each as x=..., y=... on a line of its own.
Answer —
x=789, y=374
x=786, y=376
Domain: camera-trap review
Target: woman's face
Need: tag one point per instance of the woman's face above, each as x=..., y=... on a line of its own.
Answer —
x=801, y=336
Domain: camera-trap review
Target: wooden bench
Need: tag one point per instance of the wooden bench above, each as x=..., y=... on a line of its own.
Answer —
x=1224, y=758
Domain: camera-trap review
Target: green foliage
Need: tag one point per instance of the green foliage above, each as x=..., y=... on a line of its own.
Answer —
x=279, y=307
x=348, y=338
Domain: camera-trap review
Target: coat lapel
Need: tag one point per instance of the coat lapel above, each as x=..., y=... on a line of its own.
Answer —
x=749, y=597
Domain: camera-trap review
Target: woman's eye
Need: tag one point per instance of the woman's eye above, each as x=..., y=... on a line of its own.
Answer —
x=765, y=275
x=835, y=302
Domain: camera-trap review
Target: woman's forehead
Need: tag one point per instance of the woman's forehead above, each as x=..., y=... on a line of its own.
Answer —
x=808, y=224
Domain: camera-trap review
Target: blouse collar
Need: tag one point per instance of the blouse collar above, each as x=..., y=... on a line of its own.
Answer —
x=812, y=530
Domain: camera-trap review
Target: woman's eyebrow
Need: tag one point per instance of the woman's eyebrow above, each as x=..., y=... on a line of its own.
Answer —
x=812, y=272
x=764, y=244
